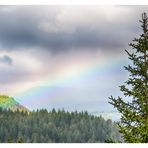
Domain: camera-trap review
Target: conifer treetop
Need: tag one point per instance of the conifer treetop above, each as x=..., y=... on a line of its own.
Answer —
x=134, y=107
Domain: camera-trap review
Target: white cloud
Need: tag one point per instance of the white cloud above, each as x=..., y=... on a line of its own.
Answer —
x=69, y=19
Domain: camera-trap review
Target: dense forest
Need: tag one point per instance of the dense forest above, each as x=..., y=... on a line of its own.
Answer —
x=60, y=126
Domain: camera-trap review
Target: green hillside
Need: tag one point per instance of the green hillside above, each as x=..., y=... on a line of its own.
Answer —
x=59, y=126
x=7, y=102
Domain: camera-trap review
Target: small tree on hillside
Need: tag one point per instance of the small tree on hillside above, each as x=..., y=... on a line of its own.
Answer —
x=134, y=112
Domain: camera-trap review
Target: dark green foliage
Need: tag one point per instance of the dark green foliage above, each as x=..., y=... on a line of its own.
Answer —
x=134, y=108
x=55, y=127
x=109, y=141
x=20, y=140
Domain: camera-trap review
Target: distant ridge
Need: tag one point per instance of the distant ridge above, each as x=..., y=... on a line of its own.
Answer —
x=7, y=102
x=113, y=115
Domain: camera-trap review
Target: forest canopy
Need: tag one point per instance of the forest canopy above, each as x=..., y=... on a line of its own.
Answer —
x=59, y=126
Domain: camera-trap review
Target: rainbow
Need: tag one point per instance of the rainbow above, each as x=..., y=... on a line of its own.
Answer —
x=74, y=73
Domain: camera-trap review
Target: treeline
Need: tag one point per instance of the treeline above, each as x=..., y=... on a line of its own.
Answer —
x=42, y=126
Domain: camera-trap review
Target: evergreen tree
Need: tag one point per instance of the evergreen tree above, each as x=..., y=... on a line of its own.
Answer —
x=134, y=108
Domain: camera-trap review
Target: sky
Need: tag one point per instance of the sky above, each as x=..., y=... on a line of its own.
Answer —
x=69, y=57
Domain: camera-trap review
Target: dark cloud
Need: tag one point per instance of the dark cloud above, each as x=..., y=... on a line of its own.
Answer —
x=20, y=28
x=6, y=60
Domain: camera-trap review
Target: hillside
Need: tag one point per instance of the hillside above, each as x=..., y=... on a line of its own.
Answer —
x=7, y=103
x=59, y=126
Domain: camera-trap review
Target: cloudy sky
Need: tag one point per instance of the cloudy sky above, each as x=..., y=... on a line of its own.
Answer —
x=68, y=57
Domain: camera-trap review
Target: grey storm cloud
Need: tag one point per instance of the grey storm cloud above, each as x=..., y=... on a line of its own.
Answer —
x=6, y=60
x=22, y=27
